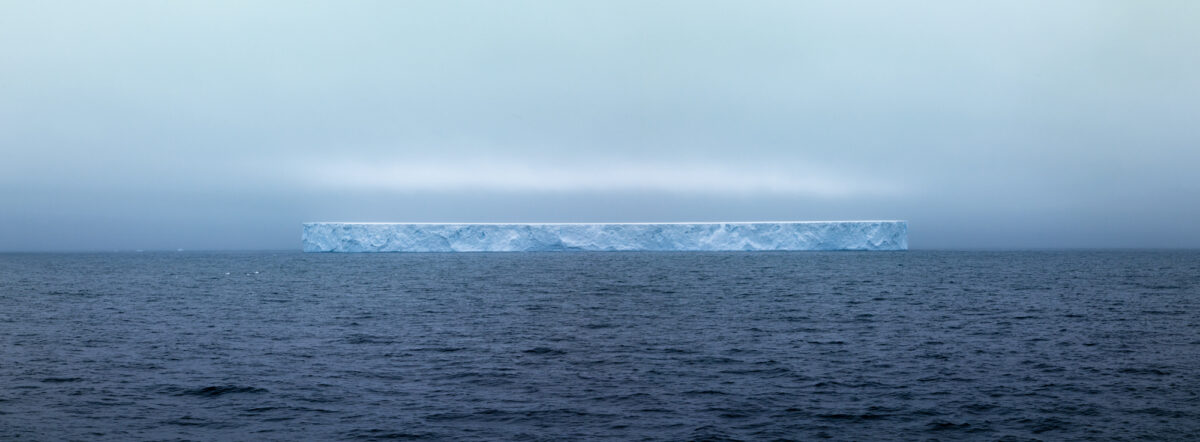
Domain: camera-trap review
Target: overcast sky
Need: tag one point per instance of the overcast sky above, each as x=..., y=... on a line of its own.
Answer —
x=224, y=125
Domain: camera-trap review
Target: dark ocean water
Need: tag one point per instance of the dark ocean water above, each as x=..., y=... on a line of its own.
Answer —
x=859, y=346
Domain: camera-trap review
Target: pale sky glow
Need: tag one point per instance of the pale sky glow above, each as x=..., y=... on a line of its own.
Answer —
x=225, y=124
x=514, y=175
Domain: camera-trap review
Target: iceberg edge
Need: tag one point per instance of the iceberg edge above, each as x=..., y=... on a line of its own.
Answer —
x=350, y=237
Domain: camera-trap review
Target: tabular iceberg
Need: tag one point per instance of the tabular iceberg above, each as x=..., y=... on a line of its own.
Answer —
x=750, y=236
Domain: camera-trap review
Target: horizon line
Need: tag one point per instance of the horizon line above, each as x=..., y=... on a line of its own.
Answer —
x=606, y=223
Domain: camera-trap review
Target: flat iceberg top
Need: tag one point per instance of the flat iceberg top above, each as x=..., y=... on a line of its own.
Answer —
x=608, y=224
x=529, y=237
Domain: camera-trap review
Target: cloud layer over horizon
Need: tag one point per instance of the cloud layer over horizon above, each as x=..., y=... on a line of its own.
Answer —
x=216, y=125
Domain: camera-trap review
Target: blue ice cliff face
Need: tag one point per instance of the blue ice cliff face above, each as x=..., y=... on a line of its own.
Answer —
x=805, y=235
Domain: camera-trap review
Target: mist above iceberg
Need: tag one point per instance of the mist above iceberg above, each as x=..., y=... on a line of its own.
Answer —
x=728, y=236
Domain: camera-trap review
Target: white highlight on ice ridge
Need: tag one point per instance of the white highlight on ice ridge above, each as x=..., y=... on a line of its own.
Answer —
x=529, y=237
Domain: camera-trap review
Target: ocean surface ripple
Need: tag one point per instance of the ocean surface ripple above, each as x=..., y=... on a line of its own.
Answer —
x=623, y=346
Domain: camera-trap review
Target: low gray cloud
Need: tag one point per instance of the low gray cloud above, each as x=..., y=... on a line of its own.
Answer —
x=200, y=125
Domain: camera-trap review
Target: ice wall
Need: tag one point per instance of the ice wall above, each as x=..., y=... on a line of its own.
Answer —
x=791, y=235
